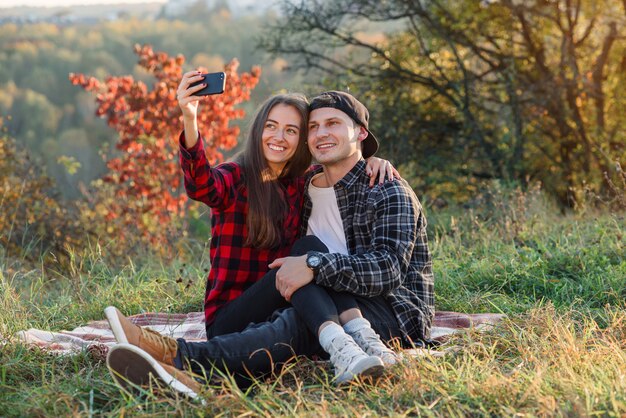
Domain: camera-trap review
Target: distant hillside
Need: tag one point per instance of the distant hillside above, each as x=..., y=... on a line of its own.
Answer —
x=45, y=113
x=171, y=9
x=74, y=13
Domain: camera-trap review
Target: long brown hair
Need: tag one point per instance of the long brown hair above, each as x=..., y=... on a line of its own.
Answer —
x=267, y=204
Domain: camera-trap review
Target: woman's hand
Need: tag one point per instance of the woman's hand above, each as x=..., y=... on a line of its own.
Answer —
x=188, y=104
x=380, y=169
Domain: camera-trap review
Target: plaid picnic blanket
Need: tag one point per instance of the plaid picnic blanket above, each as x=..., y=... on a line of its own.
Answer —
x=96, y=337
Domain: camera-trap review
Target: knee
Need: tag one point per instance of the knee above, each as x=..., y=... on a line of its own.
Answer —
x=289, y=323
x=308, y=243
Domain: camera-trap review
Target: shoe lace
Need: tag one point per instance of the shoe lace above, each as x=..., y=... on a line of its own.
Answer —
x=167, y=344
x=346, y=353
x=370, y=339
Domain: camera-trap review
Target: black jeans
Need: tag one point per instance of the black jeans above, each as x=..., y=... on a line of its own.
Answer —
x=262, y=346
x=314, y=303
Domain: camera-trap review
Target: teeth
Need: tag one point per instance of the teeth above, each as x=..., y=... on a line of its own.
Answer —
x=276, y=147
x=326, y=146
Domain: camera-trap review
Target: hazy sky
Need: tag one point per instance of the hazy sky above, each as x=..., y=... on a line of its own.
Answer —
x=57, y=3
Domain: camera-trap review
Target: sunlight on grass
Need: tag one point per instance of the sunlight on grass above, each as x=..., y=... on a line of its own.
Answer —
x=562, y=351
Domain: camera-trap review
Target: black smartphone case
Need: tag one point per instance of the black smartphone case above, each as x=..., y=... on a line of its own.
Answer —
x=215, y=83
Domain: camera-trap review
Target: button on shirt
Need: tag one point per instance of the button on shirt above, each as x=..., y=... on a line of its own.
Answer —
x=388, y=254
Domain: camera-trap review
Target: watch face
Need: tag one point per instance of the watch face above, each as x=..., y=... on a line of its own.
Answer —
x=313, y=261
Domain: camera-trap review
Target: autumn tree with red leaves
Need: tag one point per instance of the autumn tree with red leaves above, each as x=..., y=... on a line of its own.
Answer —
x=139, y=199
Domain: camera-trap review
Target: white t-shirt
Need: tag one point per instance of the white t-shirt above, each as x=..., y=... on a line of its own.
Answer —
x=325, y=220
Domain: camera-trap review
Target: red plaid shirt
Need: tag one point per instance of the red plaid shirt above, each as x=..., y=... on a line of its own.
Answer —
x=234, y=266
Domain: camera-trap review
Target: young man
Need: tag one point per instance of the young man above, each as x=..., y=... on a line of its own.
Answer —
x=381, y=257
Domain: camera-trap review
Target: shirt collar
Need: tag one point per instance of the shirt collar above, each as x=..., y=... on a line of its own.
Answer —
x=353, y=175
x=348, y=180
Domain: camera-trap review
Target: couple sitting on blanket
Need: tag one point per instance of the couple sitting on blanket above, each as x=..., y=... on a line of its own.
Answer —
x=360, y=275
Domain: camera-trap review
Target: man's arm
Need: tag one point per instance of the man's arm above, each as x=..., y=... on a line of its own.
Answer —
x=394, y=233
x=398, y=226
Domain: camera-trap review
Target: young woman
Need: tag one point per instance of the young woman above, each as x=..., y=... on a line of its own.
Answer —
x=255, y=206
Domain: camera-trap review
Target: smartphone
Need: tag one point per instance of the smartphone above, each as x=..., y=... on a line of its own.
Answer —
x=215, y=83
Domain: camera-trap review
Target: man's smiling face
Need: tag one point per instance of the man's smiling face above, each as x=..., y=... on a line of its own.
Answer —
x=333, y=135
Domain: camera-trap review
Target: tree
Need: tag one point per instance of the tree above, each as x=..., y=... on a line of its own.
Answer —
x=34, y=225
x=144, y=200
x=528, y=87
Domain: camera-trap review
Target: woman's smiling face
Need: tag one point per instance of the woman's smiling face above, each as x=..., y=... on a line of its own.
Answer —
x=281, y=134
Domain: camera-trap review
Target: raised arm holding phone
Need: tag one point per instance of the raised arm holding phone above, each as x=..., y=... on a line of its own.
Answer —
x=193, y=84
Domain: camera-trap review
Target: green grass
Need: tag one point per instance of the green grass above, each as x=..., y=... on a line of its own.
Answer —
x=560, y=278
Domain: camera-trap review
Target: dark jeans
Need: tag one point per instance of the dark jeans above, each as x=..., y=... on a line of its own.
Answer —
x=286, y=332
x=261, y=348
x=314, y=303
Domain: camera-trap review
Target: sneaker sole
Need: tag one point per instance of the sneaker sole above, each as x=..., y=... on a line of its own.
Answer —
x=131, y=367
x=370, y=367
x=115, y=324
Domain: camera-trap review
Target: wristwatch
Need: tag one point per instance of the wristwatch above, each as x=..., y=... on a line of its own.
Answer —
x=314, y=260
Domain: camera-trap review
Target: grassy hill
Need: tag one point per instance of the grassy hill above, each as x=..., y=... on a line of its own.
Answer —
x=561, y=352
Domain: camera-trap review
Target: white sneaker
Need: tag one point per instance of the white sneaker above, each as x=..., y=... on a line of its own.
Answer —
x=364, y=335
x=347, y=357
